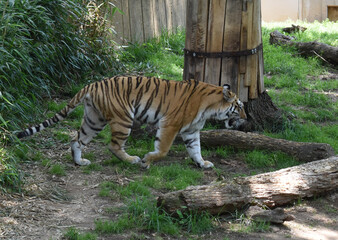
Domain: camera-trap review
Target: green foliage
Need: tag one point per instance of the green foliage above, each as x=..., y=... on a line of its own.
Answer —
x=172, y=177
x=124, y=191
x=149, y=216
x=295, y=85
x=10, y=177
x=61, y=136
x=195, y=222
x=142, y=213
x=109, y=227
x=91, y=167
x=58, y=170
x=73, y=234
x=309, y=132
x=245, y=224
x=272, y=160
x=45, y=45
x=161, y=57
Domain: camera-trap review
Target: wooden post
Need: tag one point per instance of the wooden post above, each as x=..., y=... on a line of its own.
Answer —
x=196, y=29
x=224, y=30
x=215, y=29
x=224, y=45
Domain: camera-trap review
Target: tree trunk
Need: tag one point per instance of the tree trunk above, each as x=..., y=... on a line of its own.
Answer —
x=263, y=114
x=270, y=189
x=324, y=51
x=301, y=150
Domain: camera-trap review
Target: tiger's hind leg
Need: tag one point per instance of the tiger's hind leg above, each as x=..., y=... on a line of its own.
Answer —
x=92, y=124
x=163, y=141
x=119, y=136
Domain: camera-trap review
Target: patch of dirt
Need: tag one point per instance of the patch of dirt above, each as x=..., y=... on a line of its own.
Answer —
x=52, y=204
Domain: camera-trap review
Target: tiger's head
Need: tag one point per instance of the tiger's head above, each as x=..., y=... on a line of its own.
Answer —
x=234, y=114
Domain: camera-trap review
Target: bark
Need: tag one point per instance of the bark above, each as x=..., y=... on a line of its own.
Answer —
x=263, y=114
x=301, y=150
x=324, y=51
x=294, y=28
x=270, y=189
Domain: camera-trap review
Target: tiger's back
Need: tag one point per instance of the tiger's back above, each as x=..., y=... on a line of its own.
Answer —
x=175, y=107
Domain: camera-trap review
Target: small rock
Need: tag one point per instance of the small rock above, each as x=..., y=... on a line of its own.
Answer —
x=274, y=216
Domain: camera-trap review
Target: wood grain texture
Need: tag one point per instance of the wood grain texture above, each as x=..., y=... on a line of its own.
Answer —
x=191, y=22
x=249, y=44
x=148, y=10
x=168, y=12
x=126, y=21
x=144, y=19
x=231, y=42
x=215, y=41
x=200, y=37
x=136, y=21
x=255, y=41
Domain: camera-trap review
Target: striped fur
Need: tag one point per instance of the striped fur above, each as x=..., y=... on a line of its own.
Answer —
x=175, y=107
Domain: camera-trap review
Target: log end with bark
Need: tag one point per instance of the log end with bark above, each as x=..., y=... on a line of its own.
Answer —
x=263, y=114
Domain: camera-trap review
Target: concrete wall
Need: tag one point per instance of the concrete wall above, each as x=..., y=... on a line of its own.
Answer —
x=282, y=10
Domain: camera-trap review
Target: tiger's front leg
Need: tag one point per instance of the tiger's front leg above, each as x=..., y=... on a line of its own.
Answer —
x=163, y=141
x=192, y=144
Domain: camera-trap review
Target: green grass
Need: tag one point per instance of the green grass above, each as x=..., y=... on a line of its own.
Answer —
x=10, y=176
x=161, y=57
x=74, y=234
x=270, y=161
x=172, y=177
x=293, y=81
x=91, y=167
x=310, y=132
x=57, y=169
x=294, y=85
x=142, y=213
x=131, y=189
x=325, y=32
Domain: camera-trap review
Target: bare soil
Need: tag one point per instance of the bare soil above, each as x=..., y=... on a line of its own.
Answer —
x=50, y=205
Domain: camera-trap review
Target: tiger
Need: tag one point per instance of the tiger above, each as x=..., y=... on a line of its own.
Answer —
x=174, y=107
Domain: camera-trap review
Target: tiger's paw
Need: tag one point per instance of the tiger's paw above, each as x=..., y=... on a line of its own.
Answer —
x=207, y=164
x=82, y=162
x=134, y=159
x=145, y=164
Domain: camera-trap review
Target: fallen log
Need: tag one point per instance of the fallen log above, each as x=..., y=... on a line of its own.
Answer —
x=304, y=151
x=270, y=189
x=294, y=28
x=324, y=51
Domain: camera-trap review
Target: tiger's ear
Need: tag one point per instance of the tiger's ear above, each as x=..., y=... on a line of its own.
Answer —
x=228, y=95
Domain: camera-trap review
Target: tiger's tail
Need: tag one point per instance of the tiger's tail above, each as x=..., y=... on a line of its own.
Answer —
x=74, y=102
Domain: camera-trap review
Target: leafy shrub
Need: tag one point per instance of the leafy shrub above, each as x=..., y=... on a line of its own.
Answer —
x=44, y=46
x=10, y=177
